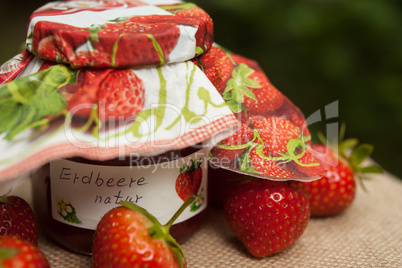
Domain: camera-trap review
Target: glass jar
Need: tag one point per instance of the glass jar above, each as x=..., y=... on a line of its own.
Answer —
x=71, y=195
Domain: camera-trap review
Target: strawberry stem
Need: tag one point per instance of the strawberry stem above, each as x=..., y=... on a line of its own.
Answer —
x=178, y=212
x=5, y=200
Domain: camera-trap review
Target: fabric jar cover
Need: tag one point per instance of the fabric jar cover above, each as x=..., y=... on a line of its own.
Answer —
x=119, y=33
x=52, y=111
x=55, y=108
x=273, y=141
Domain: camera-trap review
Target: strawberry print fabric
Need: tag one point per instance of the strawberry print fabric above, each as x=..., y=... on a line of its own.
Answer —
x=119, y=33
x=52, y=111
x=273, y=140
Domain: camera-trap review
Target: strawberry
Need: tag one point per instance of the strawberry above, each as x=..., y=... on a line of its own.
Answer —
x=233, y=146
x=257, y=94
x=48, y=49
x=249, y=62
x=304, y=167
x=140, y=40
x=91, y=58
x=282, y=152
x=129, y=236
x=120, y=95
x=241, y=81
x=263, y=162
x=57, y=41
x=196, y=16
x=292, y=113
x=217, y=66
x=83, y=95
x=205, y=33
x=334, y=192
x=16, y=252
x=266, y=216
x=275, y=132
x=17, y=218
x=189, y=180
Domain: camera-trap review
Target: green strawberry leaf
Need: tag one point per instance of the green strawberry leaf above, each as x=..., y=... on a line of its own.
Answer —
x=71, y=216
x=239, y=84
x=59, y=59
x=94, y=29
x=26, y=101
x=371, y=169
x=242, y=70
x=360, y=153
x=227, y=96
x=195, y=206
x=198, y=50
x=119, y=19
x=237, y=93
x=235, y=106
x=246, y=162
x=246, y=91
x=348, y=144
x=251, y=83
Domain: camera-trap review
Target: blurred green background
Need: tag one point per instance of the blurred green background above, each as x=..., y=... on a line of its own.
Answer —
x=316, y=52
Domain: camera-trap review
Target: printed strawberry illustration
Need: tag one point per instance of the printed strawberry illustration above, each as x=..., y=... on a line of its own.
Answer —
x=118, y=93
x=262, y=161
x=17, y=252
x=334, y=192
x=292, y=113
x=217, y=66
x=121, y=95
x=18, y=219
x=252, y=89
x=233, y=146
x=129, y=236
x=83, y=95
x=189, y=180
x=275, y=132
x=92, y=58
x=57, y=42
x=10, y=69
x=268, y=97
x=269, y=145
x=266, y=216
x=241, y=81
x=278, y=134
x=198, y=17
x=138, y=40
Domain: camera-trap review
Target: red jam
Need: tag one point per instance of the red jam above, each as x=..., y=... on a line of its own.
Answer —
x=67, y=226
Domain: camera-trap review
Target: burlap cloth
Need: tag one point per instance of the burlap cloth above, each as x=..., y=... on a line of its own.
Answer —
x=369, y=234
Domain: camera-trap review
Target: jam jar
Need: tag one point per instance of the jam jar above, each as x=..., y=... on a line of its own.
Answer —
x=71, y=195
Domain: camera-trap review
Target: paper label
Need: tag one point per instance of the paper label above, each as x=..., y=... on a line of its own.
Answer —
x=82, y=193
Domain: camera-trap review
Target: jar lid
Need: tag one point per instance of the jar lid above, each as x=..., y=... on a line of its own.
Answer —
x=52, y=111
x=119, y=33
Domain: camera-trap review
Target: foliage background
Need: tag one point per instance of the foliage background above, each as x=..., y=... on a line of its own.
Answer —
x=314, y=51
